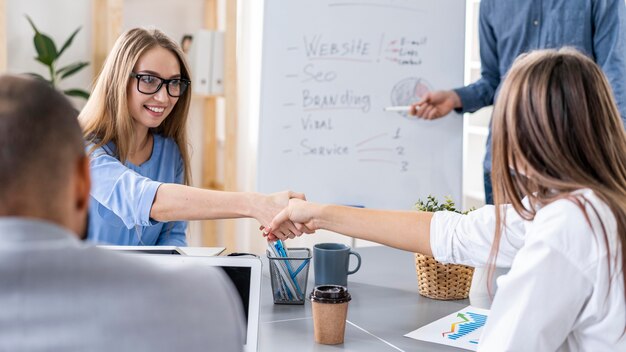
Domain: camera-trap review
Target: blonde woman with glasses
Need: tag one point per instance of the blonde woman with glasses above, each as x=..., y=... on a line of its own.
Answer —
x=559, y=222
x=135, y=126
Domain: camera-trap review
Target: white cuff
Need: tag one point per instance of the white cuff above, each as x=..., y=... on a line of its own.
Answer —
x=442, y=230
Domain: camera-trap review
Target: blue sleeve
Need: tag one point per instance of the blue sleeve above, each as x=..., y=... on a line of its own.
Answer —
x=121, y=190
x=609, y=46
x=173, y=233
x=481, y=93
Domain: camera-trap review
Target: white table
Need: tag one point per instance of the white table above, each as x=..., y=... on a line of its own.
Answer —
x=385, y=305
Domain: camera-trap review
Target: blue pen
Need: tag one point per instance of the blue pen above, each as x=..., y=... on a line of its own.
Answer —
x=277, y=248
x=281, y=250
x=304, y=263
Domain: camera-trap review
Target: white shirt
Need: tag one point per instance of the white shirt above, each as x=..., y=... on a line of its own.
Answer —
x=558, y=295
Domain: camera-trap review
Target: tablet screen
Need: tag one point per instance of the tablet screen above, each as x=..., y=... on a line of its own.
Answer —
x=240, y=276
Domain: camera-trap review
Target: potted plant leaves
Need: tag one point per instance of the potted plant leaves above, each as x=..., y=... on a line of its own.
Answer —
x=48, y=55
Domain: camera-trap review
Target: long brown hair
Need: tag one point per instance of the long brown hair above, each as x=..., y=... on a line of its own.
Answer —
x=106, y=117
x=557, y=129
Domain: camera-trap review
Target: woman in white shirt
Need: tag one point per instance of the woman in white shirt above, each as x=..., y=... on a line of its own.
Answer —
x=558, y=140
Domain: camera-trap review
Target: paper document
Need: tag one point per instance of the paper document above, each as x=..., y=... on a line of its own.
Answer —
x=201, y=251
x=460, y=329
x=190, y=251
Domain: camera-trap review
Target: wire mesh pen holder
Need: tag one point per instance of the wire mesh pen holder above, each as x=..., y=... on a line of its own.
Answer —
x=289, y=275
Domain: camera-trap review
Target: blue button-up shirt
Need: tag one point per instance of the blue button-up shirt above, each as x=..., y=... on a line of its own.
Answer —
x=509, y=28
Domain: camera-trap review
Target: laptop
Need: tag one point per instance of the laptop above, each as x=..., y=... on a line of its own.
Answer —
x=243, y=271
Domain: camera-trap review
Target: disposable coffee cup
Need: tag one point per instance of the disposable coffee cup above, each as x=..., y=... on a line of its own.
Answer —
x=330, y=310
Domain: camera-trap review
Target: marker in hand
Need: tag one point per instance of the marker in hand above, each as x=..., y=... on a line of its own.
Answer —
x=398, y=108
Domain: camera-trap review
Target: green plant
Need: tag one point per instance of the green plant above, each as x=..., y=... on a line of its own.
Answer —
x=432, y=204
x=48, y=55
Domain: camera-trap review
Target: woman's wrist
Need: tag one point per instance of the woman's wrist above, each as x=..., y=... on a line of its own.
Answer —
x=321, y=216
x=252, y=202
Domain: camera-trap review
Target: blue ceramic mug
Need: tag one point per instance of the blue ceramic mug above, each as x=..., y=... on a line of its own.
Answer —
x=331, y=263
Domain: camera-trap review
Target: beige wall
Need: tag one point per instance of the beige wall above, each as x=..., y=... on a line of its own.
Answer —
x=69, y=16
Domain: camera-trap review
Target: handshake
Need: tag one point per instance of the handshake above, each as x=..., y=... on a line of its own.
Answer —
x=287, y=214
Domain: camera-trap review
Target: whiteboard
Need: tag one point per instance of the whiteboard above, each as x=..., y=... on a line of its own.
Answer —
x=329, y=68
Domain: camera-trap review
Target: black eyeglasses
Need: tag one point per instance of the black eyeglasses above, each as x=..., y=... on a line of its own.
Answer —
x=150, y=84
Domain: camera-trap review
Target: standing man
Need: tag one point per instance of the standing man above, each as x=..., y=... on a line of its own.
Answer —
x=59, y=294
x=510, y=28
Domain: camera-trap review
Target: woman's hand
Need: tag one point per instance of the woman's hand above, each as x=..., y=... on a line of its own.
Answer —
x=298, y=212
x=266, y=207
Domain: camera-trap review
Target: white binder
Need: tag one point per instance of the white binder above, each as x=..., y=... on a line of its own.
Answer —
x=206, y=58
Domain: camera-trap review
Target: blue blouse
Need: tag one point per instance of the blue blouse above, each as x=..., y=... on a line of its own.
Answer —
x=122, y=196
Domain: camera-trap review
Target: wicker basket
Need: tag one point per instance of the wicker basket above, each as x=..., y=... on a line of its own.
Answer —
x=442, y=281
